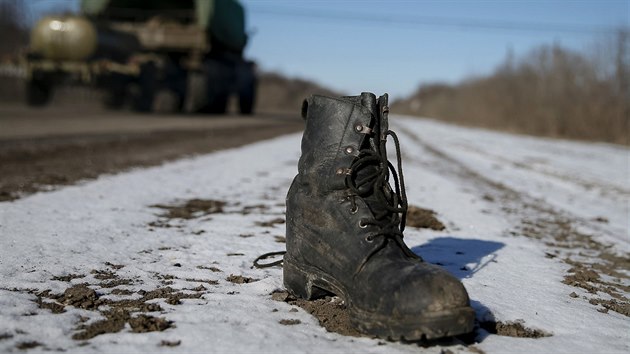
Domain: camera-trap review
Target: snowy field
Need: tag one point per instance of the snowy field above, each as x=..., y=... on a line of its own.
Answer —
x=536, y=229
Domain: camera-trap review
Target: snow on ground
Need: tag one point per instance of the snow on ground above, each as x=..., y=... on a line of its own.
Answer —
x=481, y=184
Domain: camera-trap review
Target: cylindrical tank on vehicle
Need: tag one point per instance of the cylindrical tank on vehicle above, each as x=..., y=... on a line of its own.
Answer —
x=65, y=37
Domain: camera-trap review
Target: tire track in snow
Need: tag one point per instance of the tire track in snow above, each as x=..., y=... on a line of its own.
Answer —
x=603, y=188
x=594, y=266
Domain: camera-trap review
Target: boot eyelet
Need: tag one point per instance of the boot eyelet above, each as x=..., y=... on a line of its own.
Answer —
x=354, y=209
x=358, y=127
x=349, y=150
x=362, y=224
x=369, y=238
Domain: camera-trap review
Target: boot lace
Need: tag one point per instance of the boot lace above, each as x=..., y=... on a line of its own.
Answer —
x=386, y=205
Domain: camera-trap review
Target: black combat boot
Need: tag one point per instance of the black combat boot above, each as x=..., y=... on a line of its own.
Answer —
x=345, y=228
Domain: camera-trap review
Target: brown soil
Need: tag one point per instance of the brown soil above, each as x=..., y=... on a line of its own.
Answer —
x=239, y=279
x=130, y=310
x=166, y=343
x=60, y=145
x=271, y=223
x=423, y=218
x=512, y=329
x=28, y=345
x=330, y=311
x=192, y=209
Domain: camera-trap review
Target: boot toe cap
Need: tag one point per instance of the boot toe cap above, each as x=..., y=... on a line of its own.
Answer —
x=430, y=291
x=416, y=290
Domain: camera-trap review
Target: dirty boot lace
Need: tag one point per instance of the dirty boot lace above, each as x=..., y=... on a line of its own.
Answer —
x=388, y=207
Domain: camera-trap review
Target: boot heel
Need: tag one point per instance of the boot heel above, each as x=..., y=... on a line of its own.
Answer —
x=300, y=283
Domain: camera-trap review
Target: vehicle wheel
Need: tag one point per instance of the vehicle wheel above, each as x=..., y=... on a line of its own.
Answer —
x=147, y=82
x=246, y=83
x=115, y=92
x=38, y=91
x=218, y=78
x=217, y=103
x=247, y=99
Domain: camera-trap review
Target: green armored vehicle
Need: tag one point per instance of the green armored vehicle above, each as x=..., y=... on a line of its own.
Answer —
x=135, y=49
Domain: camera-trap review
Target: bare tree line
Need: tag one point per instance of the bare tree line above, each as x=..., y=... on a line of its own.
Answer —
x=550, y=91
x=13, y=32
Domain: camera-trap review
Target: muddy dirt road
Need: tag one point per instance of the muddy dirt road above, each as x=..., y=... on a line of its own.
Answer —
x=40, y=148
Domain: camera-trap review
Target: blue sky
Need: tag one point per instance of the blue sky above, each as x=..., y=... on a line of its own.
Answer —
x=393, y=46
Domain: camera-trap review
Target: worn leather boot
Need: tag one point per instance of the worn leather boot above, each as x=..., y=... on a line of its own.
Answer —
x=345, y=228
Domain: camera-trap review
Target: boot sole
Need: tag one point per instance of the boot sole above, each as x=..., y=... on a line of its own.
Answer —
x=309, y=283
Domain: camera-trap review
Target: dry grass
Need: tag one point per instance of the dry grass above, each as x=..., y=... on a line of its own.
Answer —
x=277, y=93
x=551, y=91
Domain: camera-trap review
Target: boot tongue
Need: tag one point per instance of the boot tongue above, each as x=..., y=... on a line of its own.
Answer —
x=369, y=101
x=373, y=143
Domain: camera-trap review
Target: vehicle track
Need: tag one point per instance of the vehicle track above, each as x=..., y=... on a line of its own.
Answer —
x=594, y=266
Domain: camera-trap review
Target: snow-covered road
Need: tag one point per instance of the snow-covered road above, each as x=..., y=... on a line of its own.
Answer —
x=537, y=229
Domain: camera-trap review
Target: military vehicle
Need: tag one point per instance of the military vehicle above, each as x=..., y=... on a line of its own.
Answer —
x=135, y=49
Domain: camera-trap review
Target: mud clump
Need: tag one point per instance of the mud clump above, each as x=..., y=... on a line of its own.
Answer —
x=289, y=322
x=193, y=208
x=114, y=283
x=103, y=274
x=80, y=296
x=144, y=323
x=54, y=307
x=423, y=219
x=613, y=305
x=122, y=292
x=114, y=322
x=239, y=279
x=172, y=296
x=270, y=223
x=212, y=269
x=114, y=266
x=116, y=313
x=28, y=345
x=167, y=343
x=512, y=329
x=331, y=312
x=68, y=277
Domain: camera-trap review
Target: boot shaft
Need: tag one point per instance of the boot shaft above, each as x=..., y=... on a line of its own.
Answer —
x=336, y=130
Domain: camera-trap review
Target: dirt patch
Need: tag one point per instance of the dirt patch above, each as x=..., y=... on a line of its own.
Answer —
x=122, y=292
x=114, y=322
x=54, y=307
x=67, y=155
x=258, y=208
x=613, y=305
x=331, y=312
x=116, y=313
x=289, y=322
x=168, y=343
x=270, y=223
x=68, y=277
x=207, y=281
x=144, y=323
x=80, y=296
x=103, y=274
x=212, y=269
x=423, y=219
x=512, y=329
x=239, y=279
x=28, y=345
x=193, y=208
x=114, y=266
